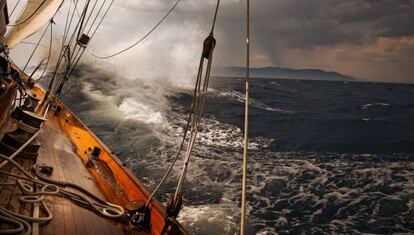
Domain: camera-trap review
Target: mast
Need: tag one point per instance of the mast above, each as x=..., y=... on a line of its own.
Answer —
x=246, y=125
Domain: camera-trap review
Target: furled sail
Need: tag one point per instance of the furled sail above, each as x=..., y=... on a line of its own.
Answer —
x=36, y=14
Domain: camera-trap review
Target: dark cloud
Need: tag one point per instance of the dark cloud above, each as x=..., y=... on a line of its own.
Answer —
x=290, y=26
x=308, y=24
x=281, y=31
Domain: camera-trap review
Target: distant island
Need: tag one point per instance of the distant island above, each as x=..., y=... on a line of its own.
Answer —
x=277, y=72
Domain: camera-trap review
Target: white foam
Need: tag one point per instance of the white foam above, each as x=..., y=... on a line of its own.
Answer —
x=130, y=101
x=366, y=106
x=275, y=179
x=210, y=219
x=132, y=109
x=238, y=96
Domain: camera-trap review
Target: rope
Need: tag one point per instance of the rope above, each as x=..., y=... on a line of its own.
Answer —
x=30, y=16
x=246, y=126
x=89, y=16
x=175, y=202
x=49, y=55
x=179, y=148
x=76, y=59
x=208, y=44
x=35, y=70
x=101, y=206
x=37, y=45
x=14, y=8
x=200, y=102
x=141, y=39
x=95, y=30
x=22, y=224
x=72, y=63
x=50, y=187
x=63, y=47
x=16, y=77
x=194, y=104
x=32, y=43
x=66, y=27
x=85, y=10
x=78, y=25
x=97, y=14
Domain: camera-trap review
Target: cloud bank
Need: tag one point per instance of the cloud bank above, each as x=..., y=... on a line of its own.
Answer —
x=370, y=40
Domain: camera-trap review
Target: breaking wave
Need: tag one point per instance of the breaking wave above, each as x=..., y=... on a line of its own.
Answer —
x=289, y=192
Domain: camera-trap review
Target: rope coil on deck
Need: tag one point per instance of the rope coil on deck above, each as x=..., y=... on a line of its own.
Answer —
x=49, y=188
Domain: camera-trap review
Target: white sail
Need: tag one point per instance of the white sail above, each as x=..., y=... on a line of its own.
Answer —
x=36, y=14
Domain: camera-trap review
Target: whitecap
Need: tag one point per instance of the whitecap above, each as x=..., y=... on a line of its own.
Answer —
x=238, y=96
x=133, y=109
x=367, y=106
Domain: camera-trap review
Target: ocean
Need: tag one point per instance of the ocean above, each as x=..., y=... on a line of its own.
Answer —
x=325, y=156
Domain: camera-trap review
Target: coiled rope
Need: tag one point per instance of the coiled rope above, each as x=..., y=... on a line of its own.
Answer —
x=49, y=187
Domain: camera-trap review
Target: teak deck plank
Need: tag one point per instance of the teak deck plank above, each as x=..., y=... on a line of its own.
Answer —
x=60, y=131
x=69, y=218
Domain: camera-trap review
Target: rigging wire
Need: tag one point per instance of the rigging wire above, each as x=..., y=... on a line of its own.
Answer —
x=208, y=47
x=80, y=28
x=90, y=14
x=246, y=125
x=34, y=71
x=73, y=63
x=33, y=43
x=195, y=94
x=30, y=16
x=14, y=8
x=178, y=151
x=95, y=30
x=62, y=49
x=201, y=87
x=141, y=39
x=78, y=25
x=97, y=14
x=66, y=25
x=37, y=45
x=81, y=23
x=49, y=55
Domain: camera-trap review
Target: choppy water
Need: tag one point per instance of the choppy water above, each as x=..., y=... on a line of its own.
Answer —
x=326, y=157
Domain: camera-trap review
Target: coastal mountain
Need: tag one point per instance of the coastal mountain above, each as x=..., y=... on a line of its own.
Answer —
x=277, y=72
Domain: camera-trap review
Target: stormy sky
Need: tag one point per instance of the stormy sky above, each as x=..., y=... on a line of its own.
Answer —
x=369, y=39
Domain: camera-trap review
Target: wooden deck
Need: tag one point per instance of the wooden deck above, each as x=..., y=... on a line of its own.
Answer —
x=68, y=218
x=66, y=144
